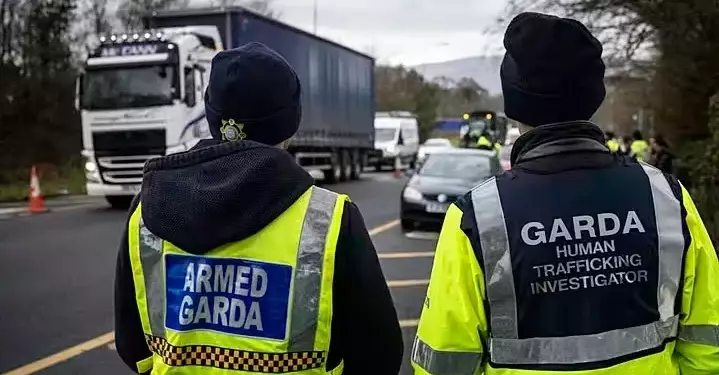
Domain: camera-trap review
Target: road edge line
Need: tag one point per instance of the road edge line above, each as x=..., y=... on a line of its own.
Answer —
x=63, y=355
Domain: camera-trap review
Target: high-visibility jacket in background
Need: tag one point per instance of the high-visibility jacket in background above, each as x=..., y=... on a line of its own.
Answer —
x=594, y=279
x=486, y=144
x=613, y=145
x=640, y=149
x=260, y=305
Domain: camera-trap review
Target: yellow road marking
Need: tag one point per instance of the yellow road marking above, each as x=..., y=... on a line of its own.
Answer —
x=63, y=355
x=416, y=254
x=406, y=283
x=109, y=337
x=377, y=230
x=409, y=323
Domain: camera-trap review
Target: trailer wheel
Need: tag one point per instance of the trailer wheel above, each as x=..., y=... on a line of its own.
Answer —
x=357, y=165
x=345, y=166
x=332, y=176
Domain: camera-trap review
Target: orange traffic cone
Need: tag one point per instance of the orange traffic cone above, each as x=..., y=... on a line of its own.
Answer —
x=397, y=168
x=37, y=202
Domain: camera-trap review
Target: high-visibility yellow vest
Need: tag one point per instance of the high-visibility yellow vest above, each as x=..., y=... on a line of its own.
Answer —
x=259, y=305
x=640, y=149
x=613, y=145
x=484, y=142
x=470, y=322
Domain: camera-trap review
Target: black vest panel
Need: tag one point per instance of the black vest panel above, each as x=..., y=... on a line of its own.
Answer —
x=584, y=250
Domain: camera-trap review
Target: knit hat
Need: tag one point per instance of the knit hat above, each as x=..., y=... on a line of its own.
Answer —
x=552, y=71
x=253, y=94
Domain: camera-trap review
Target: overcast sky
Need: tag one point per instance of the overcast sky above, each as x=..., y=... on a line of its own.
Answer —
x=402, y=31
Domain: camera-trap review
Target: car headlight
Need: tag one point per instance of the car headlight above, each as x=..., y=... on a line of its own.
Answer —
x=412, y=194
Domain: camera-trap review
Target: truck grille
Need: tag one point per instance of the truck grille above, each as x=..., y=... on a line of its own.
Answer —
x=121, y=155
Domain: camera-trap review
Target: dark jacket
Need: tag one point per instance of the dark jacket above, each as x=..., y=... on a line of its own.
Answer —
x=664, y=161
x=220, y=193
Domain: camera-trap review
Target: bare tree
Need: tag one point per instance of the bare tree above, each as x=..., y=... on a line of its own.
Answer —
x=684, y=36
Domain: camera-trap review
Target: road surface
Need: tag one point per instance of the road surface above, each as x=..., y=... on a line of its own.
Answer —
x=58, y=270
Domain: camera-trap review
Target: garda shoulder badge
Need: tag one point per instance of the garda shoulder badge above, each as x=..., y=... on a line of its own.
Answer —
x=232, y=131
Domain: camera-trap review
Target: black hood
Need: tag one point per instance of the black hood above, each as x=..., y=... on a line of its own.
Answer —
x=219, y=193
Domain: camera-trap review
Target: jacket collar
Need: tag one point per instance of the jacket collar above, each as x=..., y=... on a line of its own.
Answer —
x=559, y=138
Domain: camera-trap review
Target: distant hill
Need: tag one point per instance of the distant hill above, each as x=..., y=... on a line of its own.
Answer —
x=483, y=69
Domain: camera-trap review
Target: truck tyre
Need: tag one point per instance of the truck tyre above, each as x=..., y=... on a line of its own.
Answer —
x=345, y=165
x=413, y=162
x=119, y=202
x=332, y=176
x=378, y=166
x=357, y=165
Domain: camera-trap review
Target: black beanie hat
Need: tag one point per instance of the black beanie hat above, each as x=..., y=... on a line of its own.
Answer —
x=552, y=71
x=253, y=94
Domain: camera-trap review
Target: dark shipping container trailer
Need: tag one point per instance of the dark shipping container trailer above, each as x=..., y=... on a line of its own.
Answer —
x=337, y=128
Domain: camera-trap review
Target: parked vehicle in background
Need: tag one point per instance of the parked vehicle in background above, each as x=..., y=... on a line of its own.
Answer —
x=477, y=122
x=446, y=175
x=505, y=157
x=431, y=145
x=512, y=135
x=142, y=92
x=396, y=136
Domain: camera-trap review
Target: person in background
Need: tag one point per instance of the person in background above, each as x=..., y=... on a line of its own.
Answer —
x=662, y=157
x=612, y=141
x=639, y=148
x=232, y=261
x=624, y=147
x=575, y=261
x=485, y=142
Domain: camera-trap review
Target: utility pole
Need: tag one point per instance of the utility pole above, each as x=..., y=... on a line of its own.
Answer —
x=314, y=16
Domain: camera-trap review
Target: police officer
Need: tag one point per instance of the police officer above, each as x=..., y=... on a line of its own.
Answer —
x=612, y=142
x=233, y=262
x=576, y=260
x=639, y=148
x=485, y=142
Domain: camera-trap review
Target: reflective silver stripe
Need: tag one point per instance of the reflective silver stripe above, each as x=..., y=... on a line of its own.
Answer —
x=151, y=259
x=700, y=334
x=308, y=272
x=444, y=362
x=667, y=210
x=497, y=260
x=582, y=349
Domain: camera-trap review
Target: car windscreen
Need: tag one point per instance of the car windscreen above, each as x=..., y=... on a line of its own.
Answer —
x=385, y=134
x=467, y=166
x=128, y=87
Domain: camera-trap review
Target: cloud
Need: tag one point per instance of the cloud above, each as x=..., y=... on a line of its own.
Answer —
x=402, y=31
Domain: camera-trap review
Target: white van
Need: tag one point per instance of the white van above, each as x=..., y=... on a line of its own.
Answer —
x=396, y=135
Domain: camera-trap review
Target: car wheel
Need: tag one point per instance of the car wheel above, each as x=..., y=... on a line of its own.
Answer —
x=119, y=202
x=407, y=225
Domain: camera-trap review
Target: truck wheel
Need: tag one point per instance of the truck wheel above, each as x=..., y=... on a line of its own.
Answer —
x=413, y=162
x=378, y=166
x=332, y=176
x=357, y=165
x=119, y=202
x=345, y=166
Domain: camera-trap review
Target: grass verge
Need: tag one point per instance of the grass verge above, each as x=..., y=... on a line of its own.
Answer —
x=68, y=178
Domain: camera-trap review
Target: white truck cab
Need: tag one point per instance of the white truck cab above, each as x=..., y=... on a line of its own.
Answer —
x=141, y=96
x=396, y=135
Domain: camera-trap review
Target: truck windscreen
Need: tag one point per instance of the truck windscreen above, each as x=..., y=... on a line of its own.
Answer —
x=127, y=87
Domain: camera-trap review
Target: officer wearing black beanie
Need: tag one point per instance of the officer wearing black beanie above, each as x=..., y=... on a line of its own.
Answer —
x=576, y=260
x=237, y=214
